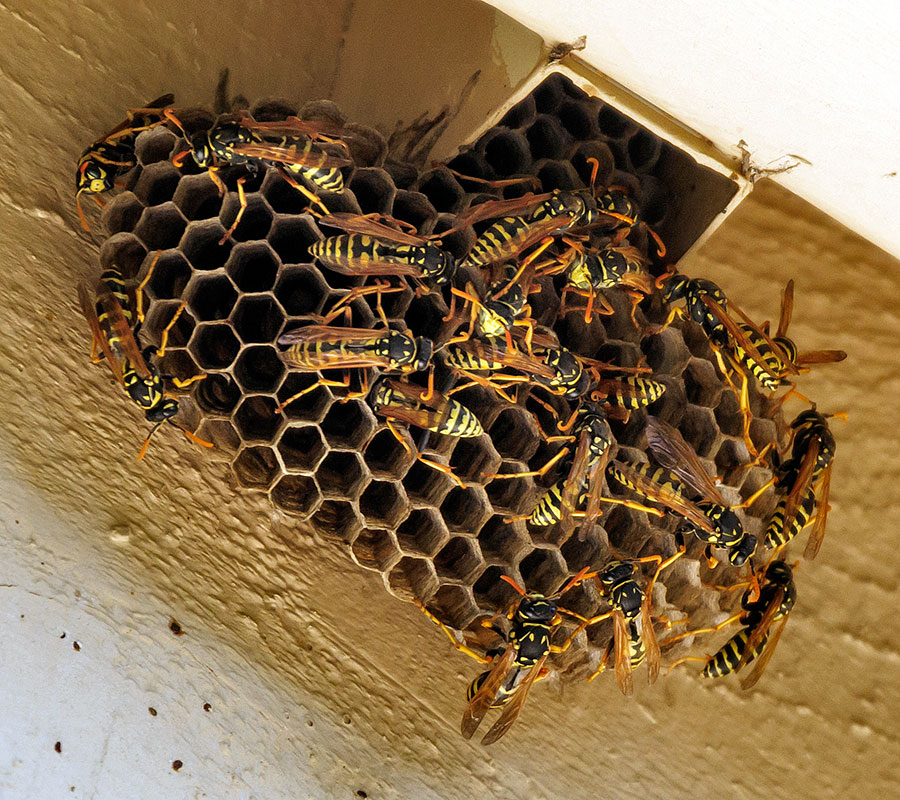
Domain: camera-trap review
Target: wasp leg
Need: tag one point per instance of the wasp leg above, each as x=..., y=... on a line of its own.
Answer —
x=242, y=198
x=711, y=629
x=321, y=382
x=711, y=561
x=213, y=176
x=139, y=291
x=603, y=661
x=533, y=474
x=632, y=504
x=675, y=312
x=164, y=337
x=311, y=196
x=660, y=566
x=433, y=464
x=182, y=384
x=456, y=643
x=756, y=495
x=685, y=659
x=496, y=184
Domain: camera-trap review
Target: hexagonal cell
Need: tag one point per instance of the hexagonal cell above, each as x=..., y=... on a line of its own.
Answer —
x=543, y=571
x=502, y=542
x=605, y=160
x=211, y=297
x=763, y=431
x=348, y=425
x=422, y=533
x=154, y=145
x=412, y=578
x=520, y=115
x=383, y=504
x=643, y=150
x=559, y=175
x=291, y=238
x=222, y=434
x=754, y=479
x=282, y=197
x=125, y=251
x=511, y=495
x=256, y=467
x=256, y=419
x=549, y=94
x=214, y=346
x=424, y=315
x=423, y=484
x=473, y=458
x=341, y=474
x=465, y=510
x=301, y=290
x=666, y=352
x=255, y=221
x=257, y=318
x=375, y=549
x=457, y=243
x=491, y=592
x=337, y=520
x=506, y=152
x=698, y=426
x=614, y=123
x=198, y=197
x=514, y=434
x=161, y=314
x=160, y=227
x=253, y=267
x=374, y=190
x=728, y=415
x=459, y=560
x=731, y=457
x=157, y=183
x=296, y=494
x=546, y=138
x=177, y=363
x=702, y=386
x=339, y=203
x=442, y=190
x=454, y=606
x=122, y=213
x=669, y=407
x=170, y=276
x=200, y=245
x=579, y=119
x=387, y=458
x=301, y=448
x=312, y=405
x=259, y=369
x=414, y=208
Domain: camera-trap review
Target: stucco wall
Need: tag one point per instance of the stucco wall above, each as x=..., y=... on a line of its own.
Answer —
x=319, y=683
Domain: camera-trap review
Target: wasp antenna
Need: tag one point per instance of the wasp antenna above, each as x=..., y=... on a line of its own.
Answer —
x=170, y=115
x=512, y=583
x=146, y=443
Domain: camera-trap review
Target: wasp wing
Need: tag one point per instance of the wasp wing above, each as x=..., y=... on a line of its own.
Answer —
x=307, y=157
x=121, y=329
x=483, y=699
x=818, y=532
x=89, y=309
x=802, y=483
x=572, y=488
x=676, y=455
x=820, y=357
x=787, y=309
x=514, y=707
x=761, y=629
x=357, y=223
x=621, y=638
x=595, y=493
x=651, y=644
x=332, y=358
x=763, y=661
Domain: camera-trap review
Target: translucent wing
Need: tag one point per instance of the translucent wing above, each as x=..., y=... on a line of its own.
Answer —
x=762, y=662
x=294, y=125
x=512, y=709
x=667, y=497
x=651, y=645
x=483, y=699
x=676, y=455
x=514, y=359
x=492, y=209
x=572, y=488
x=623, y=653
x=801, y=484
x=787, y=309
x=309, y=157
x=595, y=492
x=88, y=308
x=761, y=630
x=818, y=532
x=332, y=358
x=121, y=329
x=356, y=223
x=820, y=357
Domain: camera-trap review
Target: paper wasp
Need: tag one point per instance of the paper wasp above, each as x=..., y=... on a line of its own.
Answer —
x=426, y=409
x=763, y=606
x=293, y=147
x=634, y=639
x=373, y=248
x=807, y=477
x=321, y=347
x=513, y=670
x=114, y=328
x=112, y=154
x=711, y=519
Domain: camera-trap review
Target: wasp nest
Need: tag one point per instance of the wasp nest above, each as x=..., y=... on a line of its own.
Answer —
x=333, y=465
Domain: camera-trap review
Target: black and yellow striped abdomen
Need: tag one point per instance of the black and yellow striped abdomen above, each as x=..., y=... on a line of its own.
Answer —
x=656, y=475
x=319, y=355
x=633, y=392
x=458, y=421
x=728, y=658
x=114, y=283
x=502, y=240
x=776, y=536
x=772, y=362
x=636, y=650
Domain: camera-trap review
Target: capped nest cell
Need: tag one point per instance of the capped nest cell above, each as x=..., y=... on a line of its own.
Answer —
x=333, y=465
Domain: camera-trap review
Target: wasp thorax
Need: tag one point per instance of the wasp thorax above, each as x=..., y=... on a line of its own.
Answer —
x=439, y=265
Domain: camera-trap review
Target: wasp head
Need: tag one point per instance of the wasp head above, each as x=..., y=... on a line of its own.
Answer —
x=424, y=352
x=614, y=573
x=201, y=151
x=439, y=265
x=536, y=608
x=744, y=550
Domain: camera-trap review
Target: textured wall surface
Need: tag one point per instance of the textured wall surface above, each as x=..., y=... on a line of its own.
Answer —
x=319, y=683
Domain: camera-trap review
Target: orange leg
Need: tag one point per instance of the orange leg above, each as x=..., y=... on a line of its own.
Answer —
x=313, y=198
x=533, y=474
x=321, y=382
x=433, y=464
x=712, y=629
x=242, y=198
x=164, y=338
x=463, y=648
